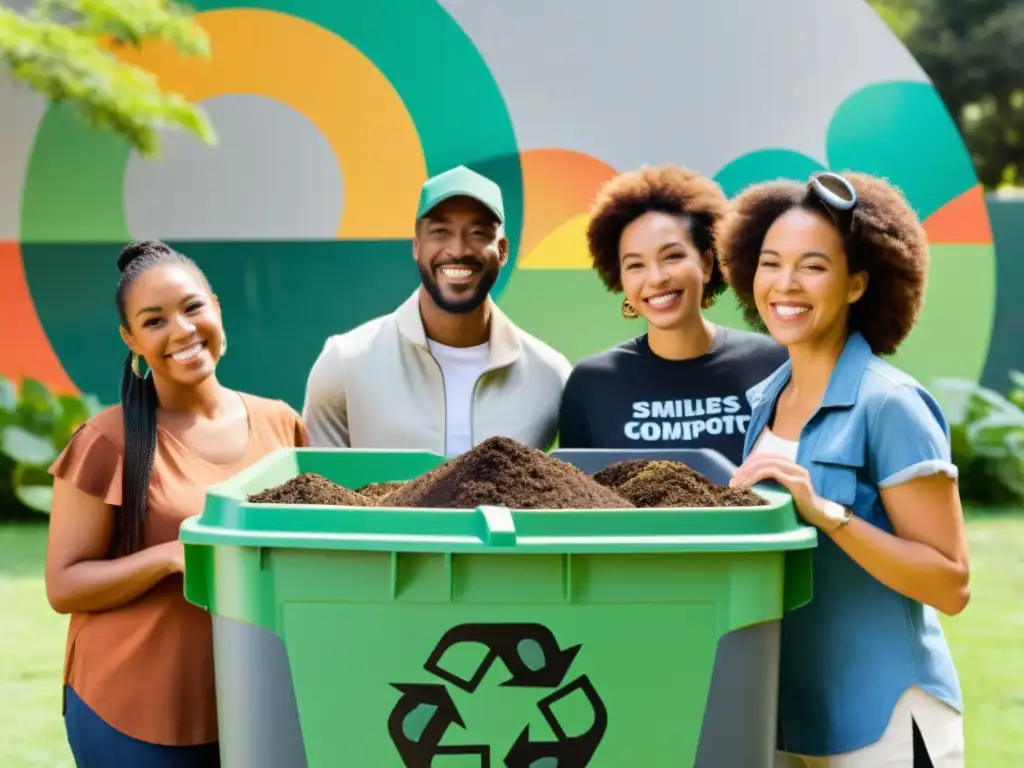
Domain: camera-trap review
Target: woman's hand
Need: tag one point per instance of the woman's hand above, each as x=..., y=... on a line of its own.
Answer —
x=80, y=577
x=791, y=476
x=173, y=554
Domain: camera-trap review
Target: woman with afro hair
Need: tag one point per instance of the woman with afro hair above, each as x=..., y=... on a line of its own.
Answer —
x=681, y=384
x=835, y=270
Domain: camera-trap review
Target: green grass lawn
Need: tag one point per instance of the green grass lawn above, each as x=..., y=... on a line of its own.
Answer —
x=986, y=642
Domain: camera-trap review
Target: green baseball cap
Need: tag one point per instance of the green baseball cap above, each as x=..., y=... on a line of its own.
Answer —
x=461, y=182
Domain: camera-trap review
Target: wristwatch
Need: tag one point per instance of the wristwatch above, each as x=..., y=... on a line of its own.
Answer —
x=837, y=514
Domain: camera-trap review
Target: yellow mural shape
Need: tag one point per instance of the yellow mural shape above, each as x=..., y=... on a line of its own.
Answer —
x=564, y=248
x=332, y=84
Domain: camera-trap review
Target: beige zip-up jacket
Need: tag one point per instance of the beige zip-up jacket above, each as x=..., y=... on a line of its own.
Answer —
x=378, y=386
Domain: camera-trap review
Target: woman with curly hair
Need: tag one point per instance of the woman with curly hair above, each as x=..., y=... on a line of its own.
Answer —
x=681, y=384
x=835, y=270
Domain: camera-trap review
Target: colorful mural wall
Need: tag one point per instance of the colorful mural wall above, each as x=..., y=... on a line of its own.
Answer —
x=331, y=115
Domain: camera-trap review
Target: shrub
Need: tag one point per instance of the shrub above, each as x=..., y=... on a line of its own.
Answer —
x=987, y=431
x=35, y=425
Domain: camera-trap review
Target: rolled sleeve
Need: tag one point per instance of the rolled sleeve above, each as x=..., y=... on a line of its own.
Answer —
x=909, y=438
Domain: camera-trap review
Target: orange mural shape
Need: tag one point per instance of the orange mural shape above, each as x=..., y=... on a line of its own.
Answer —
x=962, y=221
x=28, y=354
x=328, y=81
x=558, y=185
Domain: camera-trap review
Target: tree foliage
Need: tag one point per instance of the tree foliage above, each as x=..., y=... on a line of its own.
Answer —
x=62, y=50
x=971, y=50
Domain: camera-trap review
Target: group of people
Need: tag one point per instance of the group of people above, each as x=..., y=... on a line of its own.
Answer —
x=830, y=273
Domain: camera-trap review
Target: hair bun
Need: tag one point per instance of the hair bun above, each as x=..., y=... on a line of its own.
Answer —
x=138, y=248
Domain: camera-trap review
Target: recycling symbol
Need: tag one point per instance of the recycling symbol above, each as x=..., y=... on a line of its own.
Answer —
x=533, y=658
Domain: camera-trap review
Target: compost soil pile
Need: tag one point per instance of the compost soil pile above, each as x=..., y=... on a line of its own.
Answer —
x=310, y=488
x=503, y=472
x=506, y=473
x=379, y=490
x=652, y=483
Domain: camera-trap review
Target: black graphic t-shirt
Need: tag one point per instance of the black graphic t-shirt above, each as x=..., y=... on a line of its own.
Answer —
x=628, y=397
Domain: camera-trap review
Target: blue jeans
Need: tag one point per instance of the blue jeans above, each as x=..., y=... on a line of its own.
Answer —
x=95, y=744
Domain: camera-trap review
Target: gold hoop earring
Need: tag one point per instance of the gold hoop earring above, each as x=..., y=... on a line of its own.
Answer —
x=135, y=364
x=629, y=311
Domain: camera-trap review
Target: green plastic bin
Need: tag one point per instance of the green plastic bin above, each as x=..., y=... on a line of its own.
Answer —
x=373, y=638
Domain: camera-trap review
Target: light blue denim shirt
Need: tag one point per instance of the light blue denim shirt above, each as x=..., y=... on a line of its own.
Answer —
x=849, y=654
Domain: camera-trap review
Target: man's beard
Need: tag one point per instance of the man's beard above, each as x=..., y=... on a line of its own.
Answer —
x=466, y=305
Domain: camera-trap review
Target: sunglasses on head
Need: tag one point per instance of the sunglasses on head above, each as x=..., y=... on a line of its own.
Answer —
x=836, y=195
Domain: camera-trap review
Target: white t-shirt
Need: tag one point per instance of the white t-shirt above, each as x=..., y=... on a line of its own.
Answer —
x=461, y=367
x=769, y=442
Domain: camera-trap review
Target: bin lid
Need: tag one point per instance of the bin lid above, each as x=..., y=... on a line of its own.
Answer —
x=234, y=522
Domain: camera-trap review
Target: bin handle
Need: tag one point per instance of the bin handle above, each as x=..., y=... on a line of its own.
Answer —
x=798, y=584
x=499, y=528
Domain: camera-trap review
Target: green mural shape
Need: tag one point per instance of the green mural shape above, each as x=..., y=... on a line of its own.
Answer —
x=902, y=132
x=73, y=213
x=954, y=331
x=570, y=309
x=898, y=131
x=73, y=224
x=74, y=169
x=74, y=186
x=276, y=313
x=765, y=165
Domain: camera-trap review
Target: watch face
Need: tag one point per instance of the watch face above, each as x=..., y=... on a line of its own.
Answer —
x=836, y=511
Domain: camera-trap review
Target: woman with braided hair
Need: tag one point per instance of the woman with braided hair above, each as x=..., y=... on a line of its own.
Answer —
x=138, y=673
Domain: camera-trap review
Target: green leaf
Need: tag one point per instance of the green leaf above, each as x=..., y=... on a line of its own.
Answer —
x=1009, y=473
x=25, y=448
x=74, y=410
x=38, y=409
x=33, y=488
x=959, y=444
x=987, y=439
x=994, y=430
x=73, y=413
x=58, y=50
x=1016, y=397
x=1014, y=443
x=8, y=395
x=36, y=497
x=72, y=407
x=1017, y=379
x=964, y=401
x=92, y=405
x=35, y=396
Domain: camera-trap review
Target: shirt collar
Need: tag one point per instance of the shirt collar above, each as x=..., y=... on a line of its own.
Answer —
x=843, y=384
x=505, y=346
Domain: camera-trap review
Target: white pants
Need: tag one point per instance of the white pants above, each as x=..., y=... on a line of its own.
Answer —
x=940, y=726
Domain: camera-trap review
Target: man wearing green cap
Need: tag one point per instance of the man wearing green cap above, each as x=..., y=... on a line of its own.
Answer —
x=448, y=369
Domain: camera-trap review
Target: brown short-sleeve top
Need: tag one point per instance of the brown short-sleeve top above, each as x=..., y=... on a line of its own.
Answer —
x=146, y=667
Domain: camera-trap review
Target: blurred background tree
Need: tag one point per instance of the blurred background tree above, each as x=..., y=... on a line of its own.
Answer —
x=971, y=50
x=63, y=50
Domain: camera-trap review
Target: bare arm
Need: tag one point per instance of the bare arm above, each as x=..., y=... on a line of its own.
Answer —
x=908, y=451
x=927, y=558
x=79, y=577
